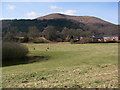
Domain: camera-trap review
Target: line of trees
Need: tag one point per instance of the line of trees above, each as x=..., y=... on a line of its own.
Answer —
x=50, y=33
x=53, y=30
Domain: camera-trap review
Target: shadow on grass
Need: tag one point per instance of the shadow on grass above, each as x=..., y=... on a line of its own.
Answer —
x=26, y=60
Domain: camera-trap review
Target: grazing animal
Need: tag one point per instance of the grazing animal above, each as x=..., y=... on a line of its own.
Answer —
x=47, y=49
x=34, y=48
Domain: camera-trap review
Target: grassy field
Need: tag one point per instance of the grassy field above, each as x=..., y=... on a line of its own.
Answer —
x=68, y=66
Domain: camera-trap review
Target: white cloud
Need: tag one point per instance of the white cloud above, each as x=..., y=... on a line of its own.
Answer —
x=31, y=15
x=69, y=12
x=54, y=7
x=11, y=7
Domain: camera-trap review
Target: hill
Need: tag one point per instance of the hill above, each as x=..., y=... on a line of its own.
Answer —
x=80, y=25
x=81, y=19
x=93, y=24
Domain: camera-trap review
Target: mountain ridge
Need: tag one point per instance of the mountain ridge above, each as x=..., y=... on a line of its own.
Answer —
x=94, y=25
x=82, y=19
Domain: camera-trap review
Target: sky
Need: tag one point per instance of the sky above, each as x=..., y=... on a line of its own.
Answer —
x=29, y=10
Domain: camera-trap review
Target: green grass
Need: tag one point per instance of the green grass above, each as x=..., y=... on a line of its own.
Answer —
x=70, y=65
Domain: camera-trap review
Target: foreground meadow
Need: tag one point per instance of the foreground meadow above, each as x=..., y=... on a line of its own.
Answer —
x=67, y=66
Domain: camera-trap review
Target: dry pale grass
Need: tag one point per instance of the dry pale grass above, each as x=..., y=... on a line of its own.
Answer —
x=99, y=76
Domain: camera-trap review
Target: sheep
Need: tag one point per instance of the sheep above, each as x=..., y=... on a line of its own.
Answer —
x=34, y=48
x=47, y=49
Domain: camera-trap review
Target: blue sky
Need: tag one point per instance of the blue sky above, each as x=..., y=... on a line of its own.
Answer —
x=23, y=10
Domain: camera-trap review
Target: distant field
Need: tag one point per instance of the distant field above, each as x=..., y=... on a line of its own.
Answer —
x=68, y=66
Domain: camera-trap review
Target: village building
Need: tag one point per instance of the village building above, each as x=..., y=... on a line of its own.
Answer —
x=111, y=38
x=96, y=38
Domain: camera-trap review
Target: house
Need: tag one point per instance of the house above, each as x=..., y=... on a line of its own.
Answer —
x=118, y=37
x=96, y=38
x=81, y=38
x=111, y=38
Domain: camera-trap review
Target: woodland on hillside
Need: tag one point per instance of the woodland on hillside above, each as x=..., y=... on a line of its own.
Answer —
x=57, y=30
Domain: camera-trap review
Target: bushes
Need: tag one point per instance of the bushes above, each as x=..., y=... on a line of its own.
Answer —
x=11, y=50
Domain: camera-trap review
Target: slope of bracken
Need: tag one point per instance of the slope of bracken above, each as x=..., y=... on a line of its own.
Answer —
x=82, y=19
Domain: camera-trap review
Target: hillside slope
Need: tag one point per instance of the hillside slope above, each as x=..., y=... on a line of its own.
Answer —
x=86, y=23
x=82, y=19
x=93, y=24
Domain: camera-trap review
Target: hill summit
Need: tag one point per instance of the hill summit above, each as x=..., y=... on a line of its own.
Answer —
x=81, y=19
x=67, y=24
